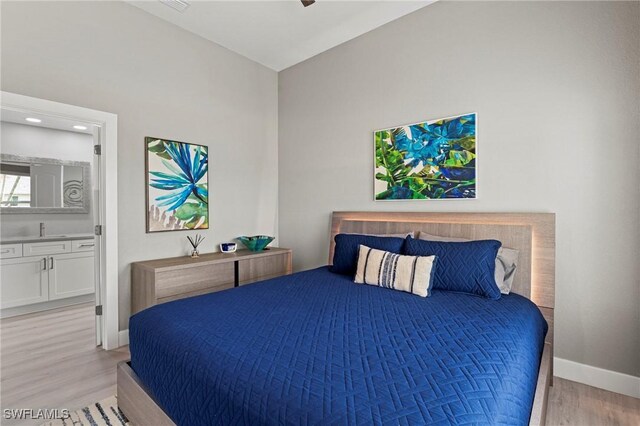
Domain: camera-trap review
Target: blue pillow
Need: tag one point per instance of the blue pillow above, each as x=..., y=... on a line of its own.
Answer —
x=465, y=267
x=345, y=254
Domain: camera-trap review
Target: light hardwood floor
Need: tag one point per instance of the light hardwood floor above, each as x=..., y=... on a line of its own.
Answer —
x=49, y=360
x=572, y=403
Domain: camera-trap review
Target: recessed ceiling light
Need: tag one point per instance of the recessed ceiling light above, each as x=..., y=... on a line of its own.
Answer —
x=33, y=120
x=80, y=127
x=179, y=5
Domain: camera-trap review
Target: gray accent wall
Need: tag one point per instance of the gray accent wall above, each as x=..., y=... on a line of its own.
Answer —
x=556, y=87
x=163, y=82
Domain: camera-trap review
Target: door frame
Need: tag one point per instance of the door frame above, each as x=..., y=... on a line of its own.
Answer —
x=108, y=241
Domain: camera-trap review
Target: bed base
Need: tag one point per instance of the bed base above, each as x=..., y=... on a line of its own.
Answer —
x=135, y=401
x=138, y=405
x=541, y=398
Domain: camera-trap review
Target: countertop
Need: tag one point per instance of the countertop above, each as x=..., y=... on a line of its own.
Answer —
x=46, y=238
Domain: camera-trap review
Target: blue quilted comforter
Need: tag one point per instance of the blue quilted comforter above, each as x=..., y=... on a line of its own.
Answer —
x=315, y=348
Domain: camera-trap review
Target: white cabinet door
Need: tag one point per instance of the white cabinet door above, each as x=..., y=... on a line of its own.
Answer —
x=70, y=275
x=23, y=281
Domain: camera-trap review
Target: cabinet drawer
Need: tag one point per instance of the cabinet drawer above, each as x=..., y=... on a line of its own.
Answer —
x=194, y=293
x=9, y=251
x=263, y=268
x=82, y=245
x=49, y=247
x=197, y=279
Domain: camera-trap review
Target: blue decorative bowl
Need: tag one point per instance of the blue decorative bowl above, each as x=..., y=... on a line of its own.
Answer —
x=257, y=242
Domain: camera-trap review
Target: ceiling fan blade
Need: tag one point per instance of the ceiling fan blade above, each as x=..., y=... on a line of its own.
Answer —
x=306, y=3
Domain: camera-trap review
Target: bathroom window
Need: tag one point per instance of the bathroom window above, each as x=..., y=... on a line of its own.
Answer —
x=15, y=186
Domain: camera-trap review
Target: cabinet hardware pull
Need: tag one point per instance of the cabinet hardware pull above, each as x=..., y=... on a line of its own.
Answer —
x=51, y=259
x=86, y=245
x=6, y=251
x=44, y=265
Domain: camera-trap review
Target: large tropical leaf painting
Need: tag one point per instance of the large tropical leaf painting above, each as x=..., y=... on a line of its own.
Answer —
x=431, y=160
x=177, y=185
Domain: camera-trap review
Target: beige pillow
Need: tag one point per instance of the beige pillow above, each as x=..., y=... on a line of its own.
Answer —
x=506, y=261
x=412, y=274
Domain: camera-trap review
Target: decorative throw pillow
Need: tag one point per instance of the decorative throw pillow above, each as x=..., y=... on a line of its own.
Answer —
x=506, y=261
x=466, y=267
x=413, y=274
x=345, y=253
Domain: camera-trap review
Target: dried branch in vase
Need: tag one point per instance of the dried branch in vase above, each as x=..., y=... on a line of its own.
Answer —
x=195, y=242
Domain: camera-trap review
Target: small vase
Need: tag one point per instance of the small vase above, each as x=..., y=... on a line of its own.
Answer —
x=195, y=254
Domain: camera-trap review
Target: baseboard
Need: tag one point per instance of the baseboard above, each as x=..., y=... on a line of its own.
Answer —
x=123, y=337
x=597, y=377
x=46, y=306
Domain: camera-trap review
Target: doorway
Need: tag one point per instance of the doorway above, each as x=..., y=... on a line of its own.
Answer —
x=67, y=197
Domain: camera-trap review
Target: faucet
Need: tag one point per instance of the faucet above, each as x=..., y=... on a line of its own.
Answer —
x=41, y=229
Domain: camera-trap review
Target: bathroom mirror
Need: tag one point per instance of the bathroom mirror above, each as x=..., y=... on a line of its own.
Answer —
x=44, y=185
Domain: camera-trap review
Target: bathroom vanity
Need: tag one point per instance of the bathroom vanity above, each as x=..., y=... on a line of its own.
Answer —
x=44, y=271
x=40, y=273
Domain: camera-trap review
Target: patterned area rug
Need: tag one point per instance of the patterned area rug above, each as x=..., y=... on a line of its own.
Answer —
x=103, y=413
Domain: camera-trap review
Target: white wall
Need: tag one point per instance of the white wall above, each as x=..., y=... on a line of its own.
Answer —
x=164, y=82
x=555, y=86
x=33, y=141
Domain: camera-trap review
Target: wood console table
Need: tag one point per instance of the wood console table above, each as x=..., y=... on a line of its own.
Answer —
x=163, y=280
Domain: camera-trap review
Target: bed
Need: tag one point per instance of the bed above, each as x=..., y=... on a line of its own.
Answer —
x=315, y=348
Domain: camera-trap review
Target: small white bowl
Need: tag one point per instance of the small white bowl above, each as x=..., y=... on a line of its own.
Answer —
x=228, y=247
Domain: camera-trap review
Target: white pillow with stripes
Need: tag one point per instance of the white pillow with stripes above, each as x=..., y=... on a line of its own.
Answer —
x=413, y=274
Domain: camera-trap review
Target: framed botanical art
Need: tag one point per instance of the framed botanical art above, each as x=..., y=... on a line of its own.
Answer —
x=431, y=160
x=177, y=185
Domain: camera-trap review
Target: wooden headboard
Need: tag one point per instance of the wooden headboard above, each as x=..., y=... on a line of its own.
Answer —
x=533, y=234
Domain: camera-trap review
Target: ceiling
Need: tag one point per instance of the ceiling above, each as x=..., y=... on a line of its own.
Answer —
x=47, y=121
x=279, y=34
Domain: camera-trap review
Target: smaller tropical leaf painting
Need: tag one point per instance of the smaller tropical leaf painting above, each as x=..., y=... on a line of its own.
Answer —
x=431, y=160
x=177, y=185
